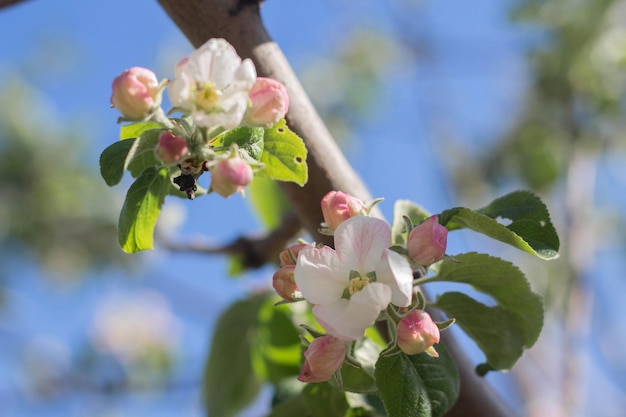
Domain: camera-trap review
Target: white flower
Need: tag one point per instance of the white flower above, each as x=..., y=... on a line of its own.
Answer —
x=212, y=85
x=352, y=284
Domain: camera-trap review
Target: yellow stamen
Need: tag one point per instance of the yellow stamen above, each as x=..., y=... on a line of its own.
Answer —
x=206, y=96
x=357, y=284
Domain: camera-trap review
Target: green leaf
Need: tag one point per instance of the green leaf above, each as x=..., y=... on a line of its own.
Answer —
x=113, y=161
x=361, y=379
x=295, y=406
x=268, y=201
x=323, y=400
x=284, y=155
x=248, y=139
x=405, y=208
x=134, y=130
x=520, y=309
x=229, y=382
x=278, y=349
x=141, y=210
x=417, y=385
x=530, y=229
x=494, y=329
x=142, y=155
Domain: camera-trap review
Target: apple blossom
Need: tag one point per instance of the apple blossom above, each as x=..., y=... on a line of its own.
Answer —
x=417, y=332
x=351, y=284
x=136, y=93
x=269, y=103
x=230, y=175
x=426, y=243
x=171, y=148
x=338, y=206
x=284, y=283
x=212, y=85
x=322, y=359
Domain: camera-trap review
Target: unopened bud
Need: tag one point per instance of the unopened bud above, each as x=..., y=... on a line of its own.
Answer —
x=322, y=359
x=230, y=176
x=417, y=332
x=289, y=256
x=269, y=102
x=136, y=93
x=427, y=242
x=284, y=283
x=171, y=148
x=338, y=206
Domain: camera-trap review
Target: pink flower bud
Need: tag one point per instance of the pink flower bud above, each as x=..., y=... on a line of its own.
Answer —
x=417, y=333
x=284, y=283
x=322, y=359
x=136, y=93
x=290, y=255
x=338, y=206
x=427, y=242
x=171, y=147
x=270, y=102
x=230, y=176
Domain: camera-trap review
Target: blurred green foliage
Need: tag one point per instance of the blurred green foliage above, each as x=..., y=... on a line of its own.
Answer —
x=55, y=208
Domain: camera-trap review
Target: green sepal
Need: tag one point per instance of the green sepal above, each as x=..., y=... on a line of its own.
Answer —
x=501, y=331
x=284, y=155
x=141, y=210
x=530, y=228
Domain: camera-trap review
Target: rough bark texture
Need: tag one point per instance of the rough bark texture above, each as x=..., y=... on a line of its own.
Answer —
x=240, y=23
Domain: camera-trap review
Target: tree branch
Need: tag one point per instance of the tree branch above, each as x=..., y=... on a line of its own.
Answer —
x=253, y=251
x=7, y=3
x=240, y=23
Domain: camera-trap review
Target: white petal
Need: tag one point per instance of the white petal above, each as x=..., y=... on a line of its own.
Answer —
x=348, y=319
x=319, y=275
x=395, y=271
x=360, y=242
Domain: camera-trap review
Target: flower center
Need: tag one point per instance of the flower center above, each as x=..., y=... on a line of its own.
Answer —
x=206, y=96
x=357, y=284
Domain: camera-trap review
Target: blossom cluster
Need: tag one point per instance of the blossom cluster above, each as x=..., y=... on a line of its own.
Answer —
x=216, y=91
x=362, y=277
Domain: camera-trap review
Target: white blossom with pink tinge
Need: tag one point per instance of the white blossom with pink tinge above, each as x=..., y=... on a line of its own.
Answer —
x=351, y=284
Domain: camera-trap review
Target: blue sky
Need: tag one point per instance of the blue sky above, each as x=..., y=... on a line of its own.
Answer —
x=466, y=88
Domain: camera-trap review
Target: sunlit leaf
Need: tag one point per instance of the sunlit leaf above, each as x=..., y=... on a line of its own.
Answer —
x=529, y=228
x=248, y=139
x=284, y=155
x=141, y=210
x=134, y=130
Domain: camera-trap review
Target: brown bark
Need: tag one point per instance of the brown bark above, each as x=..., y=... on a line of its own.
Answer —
x=240, y=23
